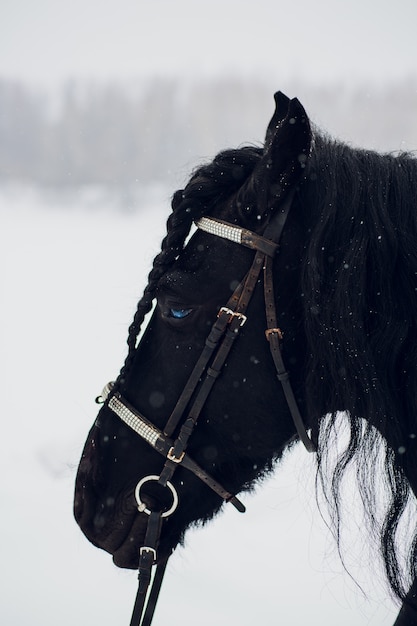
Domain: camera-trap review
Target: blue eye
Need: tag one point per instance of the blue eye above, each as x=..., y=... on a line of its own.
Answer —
x=179, y=314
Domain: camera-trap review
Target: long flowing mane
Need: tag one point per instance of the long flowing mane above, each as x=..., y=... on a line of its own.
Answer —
x=360, y=309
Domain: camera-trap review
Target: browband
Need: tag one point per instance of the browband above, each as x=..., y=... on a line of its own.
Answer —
x=239, y=235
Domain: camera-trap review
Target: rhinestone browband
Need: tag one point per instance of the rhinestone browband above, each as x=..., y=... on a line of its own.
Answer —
x=237, y=234
x=220, y=229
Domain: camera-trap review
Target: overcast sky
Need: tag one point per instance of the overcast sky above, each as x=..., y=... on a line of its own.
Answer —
x=50, y=40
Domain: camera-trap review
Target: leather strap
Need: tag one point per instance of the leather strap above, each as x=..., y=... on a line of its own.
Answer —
x=146, y=561
x=154, y=595
x=274, y=336
x=216, y=333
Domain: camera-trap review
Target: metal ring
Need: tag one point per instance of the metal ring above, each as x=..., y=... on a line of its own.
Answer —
x=142, y=508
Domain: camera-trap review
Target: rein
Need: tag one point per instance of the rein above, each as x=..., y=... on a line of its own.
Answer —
x=187, y=410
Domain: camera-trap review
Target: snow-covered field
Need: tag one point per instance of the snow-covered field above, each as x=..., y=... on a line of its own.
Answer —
x=70, y=279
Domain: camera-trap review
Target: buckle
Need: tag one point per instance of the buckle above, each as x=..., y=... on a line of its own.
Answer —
x=171, y=456
x=148, y=549
x=232, y=314
x=271, y=331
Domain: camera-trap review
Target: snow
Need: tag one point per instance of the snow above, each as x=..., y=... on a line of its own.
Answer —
x=70, y=280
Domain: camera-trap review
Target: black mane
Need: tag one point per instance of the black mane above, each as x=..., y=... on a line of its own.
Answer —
x=360, y=293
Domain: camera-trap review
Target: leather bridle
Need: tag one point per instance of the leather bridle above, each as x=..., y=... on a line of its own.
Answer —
x=187, y=410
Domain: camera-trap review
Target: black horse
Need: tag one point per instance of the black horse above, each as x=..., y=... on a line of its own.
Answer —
x=314, y=242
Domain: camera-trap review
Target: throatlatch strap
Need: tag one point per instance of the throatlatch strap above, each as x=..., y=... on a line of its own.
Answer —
x=274, y=337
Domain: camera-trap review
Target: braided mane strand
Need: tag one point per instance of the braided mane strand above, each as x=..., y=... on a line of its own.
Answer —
x=209, y=185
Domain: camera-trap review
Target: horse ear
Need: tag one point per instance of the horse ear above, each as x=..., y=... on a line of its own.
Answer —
x=281, y=109
x=286, y=150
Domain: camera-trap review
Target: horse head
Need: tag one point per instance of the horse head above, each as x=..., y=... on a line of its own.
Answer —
x=244, y=423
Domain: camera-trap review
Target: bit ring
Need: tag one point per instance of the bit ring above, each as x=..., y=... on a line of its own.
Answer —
x=142, y=508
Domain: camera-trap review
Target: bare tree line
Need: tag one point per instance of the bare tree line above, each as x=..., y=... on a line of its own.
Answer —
x=119, y=135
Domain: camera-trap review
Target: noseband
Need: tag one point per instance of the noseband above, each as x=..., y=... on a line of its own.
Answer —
x=186, y=412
